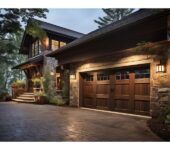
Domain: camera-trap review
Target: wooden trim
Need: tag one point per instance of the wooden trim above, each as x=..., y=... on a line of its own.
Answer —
x=128, y=64
x=94, y=88
x=132, y=91
x=102, y=96
x=142, y=98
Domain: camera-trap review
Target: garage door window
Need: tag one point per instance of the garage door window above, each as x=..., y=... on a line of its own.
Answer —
x=142, y=73
x=123, y=75
x=101, y=77
x=89, y=77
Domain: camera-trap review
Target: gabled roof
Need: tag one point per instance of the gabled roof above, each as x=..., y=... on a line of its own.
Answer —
x=48, y=27
x=57, y=29
x=134, y=18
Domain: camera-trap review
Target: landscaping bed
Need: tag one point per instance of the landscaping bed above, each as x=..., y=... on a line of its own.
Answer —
x=159, y=128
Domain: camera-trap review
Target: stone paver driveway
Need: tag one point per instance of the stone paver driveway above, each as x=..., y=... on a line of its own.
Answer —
x=30, y=122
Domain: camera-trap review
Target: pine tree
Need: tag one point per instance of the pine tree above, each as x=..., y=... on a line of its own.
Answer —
x=112, y=15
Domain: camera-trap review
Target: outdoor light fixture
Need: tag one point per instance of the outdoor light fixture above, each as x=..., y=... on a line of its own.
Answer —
x=72, y=76
x=51, y=73
x=160, y=68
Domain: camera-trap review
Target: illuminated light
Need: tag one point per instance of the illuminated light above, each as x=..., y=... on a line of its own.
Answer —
x=72, y=76
x=52, y=73
x=160, y=68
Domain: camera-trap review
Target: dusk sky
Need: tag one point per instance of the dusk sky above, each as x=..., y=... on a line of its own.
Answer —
x=81, y=20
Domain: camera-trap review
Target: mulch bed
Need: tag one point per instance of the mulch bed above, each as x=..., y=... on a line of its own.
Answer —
x=162, y=130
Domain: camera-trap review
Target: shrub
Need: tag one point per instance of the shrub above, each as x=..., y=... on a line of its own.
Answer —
x=57, y=101
x=165, y=114
x=4, y=96
x=49, y=84
x=40, y=93
x=19, y=84
x=36, y=82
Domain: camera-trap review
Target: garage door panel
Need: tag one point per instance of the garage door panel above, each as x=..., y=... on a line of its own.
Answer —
x=102, y=103
x=88, y=90
x=88, y=102
x=122, y=105
x=102, y=89
x=122, y=89
x=142, y=107
x=142, y=89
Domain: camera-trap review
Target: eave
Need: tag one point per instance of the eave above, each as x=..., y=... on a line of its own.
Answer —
x=30, y=63
x=135, y=18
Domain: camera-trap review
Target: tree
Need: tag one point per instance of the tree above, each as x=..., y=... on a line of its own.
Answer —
x=12, y=22
x=7, y=75
x=112, y=15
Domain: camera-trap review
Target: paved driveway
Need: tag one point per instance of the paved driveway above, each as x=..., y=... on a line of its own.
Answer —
x=29, y=122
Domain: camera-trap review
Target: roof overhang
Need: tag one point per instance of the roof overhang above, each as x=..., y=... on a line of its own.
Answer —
x=32, y=62
x=133, y=19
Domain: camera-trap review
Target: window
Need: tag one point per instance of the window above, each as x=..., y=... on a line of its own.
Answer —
x=142, y=73
x=101, y=77
x=54, y=44
x=62, y=43
x=123, y=75
x=89, y=78
x=36, y=48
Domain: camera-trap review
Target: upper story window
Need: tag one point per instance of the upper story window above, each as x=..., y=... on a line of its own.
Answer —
x=36, y=48
x=55, y=44
x=62, y=43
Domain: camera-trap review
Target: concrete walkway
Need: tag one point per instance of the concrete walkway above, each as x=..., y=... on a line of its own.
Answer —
x=30, y=122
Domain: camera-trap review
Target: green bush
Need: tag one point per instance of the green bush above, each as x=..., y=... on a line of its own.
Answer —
x=165, y=114
x=4, y=96
x=36, y=82
x=57, y=101
x=40, y=93
x=19, y=84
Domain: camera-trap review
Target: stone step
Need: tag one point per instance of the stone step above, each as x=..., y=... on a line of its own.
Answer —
x=23, y=101
x=25, y=98
x=28, y=93
x=25, y=95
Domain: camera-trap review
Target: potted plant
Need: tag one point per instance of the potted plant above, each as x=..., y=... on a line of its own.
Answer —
x=36, y=82
x=40, y=97
x=18, y=87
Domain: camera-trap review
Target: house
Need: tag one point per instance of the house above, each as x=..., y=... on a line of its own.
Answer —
x=124, y=66
x=36, y=49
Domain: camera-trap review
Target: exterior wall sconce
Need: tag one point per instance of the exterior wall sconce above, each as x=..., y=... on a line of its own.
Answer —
x=72, y=76
x=160, y=68
x=52, y=73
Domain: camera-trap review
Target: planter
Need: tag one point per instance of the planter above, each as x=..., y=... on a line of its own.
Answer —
x=41, y=99
x=16, y=91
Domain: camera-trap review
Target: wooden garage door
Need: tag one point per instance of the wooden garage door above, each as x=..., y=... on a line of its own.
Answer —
x=126, y=90
x=132, y=91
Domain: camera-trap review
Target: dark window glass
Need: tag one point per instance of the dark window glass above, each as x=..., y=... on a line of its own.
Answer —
x=123, y=75
x=142, y=73
x=89, y=78
x=35, y=48
x=101, y=77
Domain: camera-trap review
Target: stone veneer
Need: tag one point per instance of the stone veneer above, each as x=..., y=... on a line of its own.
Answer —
x=159, y=82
